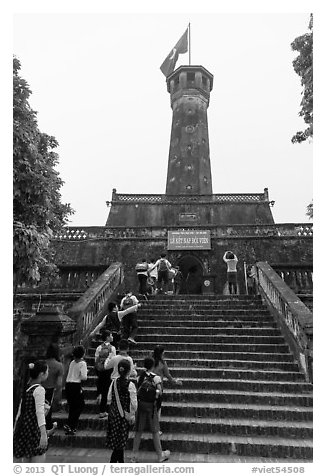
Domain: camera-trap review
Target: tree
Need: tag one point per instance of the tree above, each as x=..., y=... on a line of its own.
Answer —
x=303, y=66
x=37, y=209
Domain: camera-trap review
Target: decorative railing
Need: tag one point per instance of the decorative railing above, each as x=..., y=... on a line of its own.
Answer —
x=77, y=277
x=293, y=315
x=89, y=309
x=214, y=198
x=302, y=230
x=298, y=277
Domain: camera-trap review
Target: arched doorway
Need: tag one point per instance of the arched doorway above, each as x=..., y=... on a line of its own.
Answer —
x=192, y=271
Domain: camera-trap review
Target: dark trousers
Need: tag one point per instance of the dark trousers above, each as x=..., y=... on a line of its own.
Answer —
x=162, y=280
x=142, y=278
x=76, y=403
x=103, y=385
x=49, y=398
x=117, y=456
x=129, y=326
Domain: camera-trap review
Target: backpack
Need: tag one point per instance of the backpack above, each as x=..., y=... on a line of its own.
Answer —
x=163, y=266
x=147, y=389
x=141, y=267
x=128, y=302
x=103, y=355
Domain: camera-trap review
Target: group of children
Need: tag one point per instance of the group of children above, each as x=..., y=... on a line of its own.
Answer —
x=156, y=277
x=124, y=397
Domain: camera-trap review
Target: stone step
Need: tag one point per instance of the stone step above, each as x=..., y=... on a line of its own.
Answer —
x=213, y=363
x=200, y=443
x=208, y=310
x=199, y=423
x=144, y=330
x=241, y=374
x=57, y=454
x=179, y=394
x=136, y=353
x=213, y=346
x=202, y=324
x=215, y=338
x=235, y=384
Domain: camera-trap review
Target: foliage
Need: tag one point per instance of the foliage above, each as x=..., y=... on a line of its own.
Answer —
x=37, y=209
x=303, y=66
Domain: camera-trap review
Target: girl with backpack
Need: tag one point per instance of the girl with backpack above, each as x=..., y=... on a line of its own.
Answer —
x=103, y=352
x=77, y=373
x=122, y=401
x=149, y=391
x=30, y=435
x=141, y=270
x=161, y=368
x=163, y=266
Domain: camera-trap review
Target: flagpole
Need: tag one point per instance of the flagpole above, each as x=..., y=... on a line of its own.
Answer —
x=189, y=44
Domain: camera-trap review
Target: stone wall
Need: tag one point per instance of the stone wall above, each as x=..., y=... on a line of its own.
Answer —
x=288, y=249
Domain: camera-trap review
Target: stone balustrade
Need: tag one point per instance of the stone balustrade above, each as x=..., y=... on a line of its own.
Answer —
x=90, y=308
x=294, y=317
x=303, y=230
x=297, y=276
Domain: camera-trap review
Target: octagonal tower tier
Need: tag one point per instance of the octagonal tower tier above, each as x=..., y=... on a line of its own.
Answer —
x=189, y=168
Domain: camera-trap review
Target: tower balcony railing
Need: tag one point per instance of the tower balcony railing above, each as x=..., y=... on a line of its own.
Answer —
x=74, y=233
x=213, y=198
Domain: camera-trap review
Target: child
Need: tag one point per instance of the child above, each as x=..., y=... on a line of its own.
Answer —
x=231, y=261
x=104, y=351
x=122, y=398
x=112, y=321
x=76, y=374
x=30, y=436
x=114, y=362
x=149, y=390
x=53, y=384
x=162, y=370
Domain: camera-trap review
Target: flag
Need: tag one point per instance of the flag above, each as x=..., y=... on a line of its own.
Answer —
x=168, y=64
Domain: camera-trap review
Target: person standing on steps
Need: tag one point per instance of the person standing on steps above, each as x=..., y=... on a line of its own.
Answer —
x=103, y=352
x=77, y=373
x=122, y=400
x=163, y=266
x=53, y=384
x=162, y=370
x=152, y=276
x=112, y=321
x=30, y=435
x=231, y=260
x=149, y=390
x=129, y=323
x=114, y=362
x=178, y=277
x=141, y=270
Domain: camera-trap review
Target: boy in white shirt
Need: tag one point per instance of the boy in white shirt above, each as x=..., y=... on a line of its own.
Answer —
x=114, y=362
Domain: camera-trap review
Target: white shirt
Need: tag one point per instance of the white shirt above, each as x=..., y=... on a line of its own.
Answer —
x=77, y=372
x=153, y=272
x=114, y=364
x=111, y=354
x=132, y=297
x=132, y=393
x=231, y=263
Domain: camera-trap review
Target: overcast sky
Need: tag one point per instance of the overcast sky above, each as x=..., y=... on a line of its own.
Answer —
x=98, y=89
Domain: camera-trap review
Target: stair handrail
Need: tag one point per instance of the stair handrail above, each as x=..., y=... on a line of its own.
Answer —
x=91, y=306
x=295, y=318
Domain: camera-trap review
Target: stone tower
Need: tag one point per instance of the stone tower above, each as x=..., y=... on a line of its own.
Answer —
x=189, y=168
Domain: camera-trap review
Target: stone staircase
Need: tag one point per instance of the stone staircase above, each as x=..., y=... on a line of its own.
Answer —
x=242, y=395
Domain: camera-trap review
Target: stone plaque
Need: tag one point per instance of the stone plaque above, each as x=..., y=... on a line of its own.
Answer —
x=189, y=240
